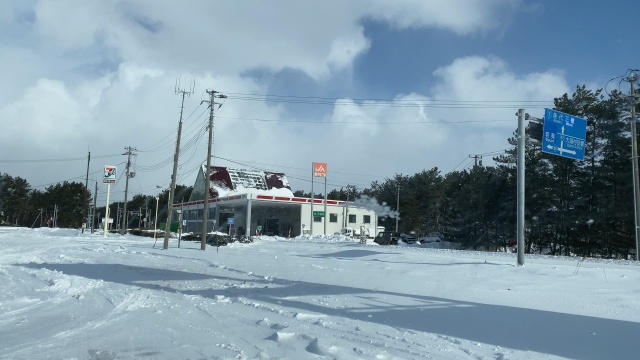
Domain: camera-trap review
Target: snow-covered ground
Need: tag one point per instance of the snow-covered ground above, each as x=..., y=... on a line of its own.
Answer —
x=66, y=295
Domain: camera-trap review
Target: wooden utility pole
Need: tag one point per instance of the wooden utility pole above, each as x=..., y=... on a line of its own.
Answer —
x=128, y=175
x=205, y=213
x=167, y=228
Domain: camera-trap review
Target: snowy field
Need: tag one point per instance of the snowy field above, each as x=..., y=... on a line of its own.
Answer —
x=67, y=295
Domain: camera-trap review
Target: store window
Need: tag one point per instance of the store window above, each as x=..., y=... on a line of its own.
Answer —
x=333, y=218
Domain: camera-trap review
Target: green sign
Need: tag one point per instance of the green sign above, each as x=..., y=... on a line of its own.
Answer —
x=318, y=214
x=259, y=227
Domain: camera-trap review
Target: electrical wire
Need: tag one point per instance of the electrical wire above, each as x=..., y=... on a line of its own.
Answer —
x=314, y=100
x=77, y=177
x=166, y=141
x=58, y=160
x=364, y=122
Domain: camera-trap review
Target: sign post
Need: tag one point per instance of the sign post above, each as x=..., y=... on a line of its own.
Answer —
x=319, y=170
x=108, y=178
x=564, y=135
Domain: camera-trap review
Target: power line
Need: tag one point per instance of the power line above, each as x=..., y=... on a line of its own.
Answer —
x=74, y=178
x=315, y=100
x=365, y=122
x=167, y=142
x=57, y=160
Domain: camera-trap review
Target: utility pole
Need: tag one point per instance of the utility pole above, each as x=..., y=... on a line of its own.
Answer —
x=634, y=159
x=167, y=229
x=128, y=175
x=205, y=213
x=476, y=157
x=85, y=214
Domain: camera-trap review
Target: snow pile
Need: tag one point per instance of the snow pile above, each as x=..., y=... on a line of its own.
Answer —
x=67, y=295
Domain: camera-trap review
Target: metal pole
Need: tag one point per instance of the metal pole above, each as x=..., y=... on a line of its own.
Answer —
x=93, y=215
x=520, y=186
x=397, y=207
x=324, y=219
x=634, y=161
x=106, y=211
x=180, y=227
x=155, y=222
x=312, y=197
x=86, y=195
x=345, y=210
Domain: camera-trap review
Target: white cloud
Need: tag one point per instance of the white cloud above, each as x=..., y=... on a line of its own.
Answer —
x=46, y=116
x=103, y=75
x=489, y=82
x=462, y=17
x=233, y=37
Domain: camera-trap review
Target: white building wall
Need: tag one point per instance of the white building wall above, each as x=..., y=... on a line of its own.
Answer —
x=342, y=218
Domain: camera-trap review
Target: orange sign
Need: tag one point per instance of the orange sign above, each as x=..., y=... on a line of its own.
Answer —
x=319, y=169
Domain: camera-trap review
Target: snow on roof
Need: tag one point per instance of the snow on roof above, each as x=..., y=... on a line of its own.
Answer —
x=227, y=182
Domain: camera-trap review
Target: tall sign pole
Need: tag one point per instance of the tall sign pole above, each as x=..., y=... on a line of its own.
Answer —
x=109, y=178
x=106, y=211
x=634, y=161
x=520, y=186
x=320, y=170
x=324, y=219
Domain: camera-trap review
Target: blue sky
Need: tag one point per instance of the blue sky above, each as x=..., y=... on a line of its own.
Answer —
x=100, y=76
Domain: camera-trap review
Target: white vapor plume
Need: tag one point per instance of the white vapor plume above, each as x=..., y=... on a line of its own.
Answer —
x=370, y=203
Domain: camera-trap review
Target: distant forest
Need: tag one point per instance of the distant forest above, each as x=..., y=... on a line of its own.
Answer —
x=581, y=208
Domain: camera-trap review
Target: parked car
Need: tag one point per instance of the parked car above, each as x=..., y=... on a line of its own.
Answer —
x=387, y=238
x=431, y=238
x=355, y=232
x=408, y=238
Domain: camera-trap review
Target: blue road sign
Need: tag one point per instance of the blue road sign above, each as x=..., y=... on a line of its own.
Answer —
x=564, y=134
x=230, y=221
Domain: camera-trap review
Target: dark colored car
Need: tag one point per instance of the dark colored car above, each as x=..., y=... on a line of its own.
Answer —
x=408, y=238
x=387, y=238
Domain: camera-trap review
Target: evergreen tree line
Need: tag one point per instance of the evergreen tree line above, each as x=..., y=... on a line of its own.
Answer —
x=583, y=208
x=20, y=205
